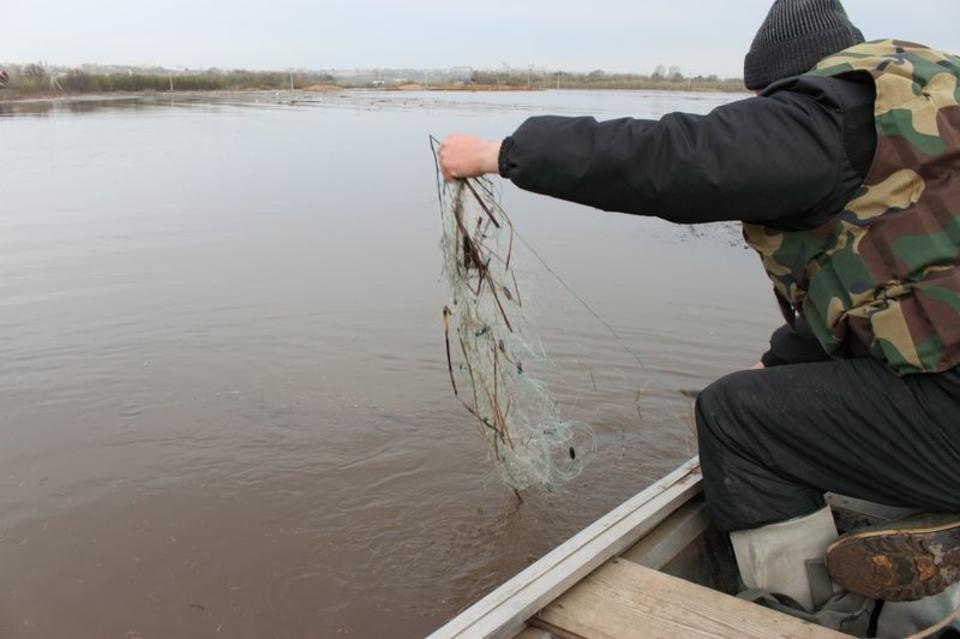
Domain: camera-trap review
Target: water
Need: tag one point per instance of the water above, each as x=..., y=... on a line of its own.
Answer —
x=224, y=404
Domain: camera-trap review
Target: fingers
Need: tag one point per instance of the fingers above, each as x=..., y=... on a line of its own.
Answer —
x=443, y=158
x=466, y=156
x=458, y=157
x=444, y=162
x=444, y=154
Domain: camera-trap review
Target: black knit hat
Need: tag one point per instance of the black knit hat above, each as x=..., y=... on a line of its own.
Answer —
x=796, y=35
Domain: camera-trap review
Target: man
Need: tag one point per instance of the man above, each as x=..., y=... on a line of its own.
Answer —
x=846, y=173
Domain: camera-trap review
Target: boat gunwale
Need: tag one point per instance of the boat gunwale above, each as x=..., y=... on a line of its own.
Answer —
x=503, y=613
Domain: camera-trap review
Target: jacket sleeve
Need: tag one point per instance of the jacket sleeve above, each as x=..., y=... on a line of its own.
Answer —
x=761, y=159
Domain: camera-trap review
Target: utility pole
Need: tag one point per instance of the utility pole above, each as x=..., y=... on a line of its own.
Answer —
x=291, y=81
x=170, y=76
x=558, y=80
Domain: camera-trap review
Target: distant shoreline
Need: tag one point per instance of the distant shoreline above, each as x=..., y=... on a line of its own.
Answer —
x=42, y=81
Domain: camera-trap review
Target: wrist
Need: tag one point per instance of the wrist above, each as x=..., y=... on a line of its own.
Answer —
x=491, y=158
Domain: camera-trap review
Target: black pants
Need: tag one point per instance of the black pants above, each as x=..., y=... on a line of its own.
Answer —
x=773, y=441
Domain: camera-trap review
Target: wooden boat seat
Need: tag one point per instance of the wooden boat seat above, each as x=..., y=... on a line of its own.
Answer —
x=623, y=600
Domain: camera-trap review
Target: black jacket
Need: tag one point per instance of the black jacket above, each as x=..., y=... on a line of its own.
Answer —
x=789, y=159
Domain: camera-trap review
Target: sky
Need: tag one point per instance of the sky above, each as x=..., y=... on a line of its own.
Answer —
x=699, y=36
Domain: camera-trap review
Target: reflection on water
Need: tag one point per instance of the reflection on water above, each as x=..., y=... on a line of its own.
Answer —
x=45, y=108
x=225, y=404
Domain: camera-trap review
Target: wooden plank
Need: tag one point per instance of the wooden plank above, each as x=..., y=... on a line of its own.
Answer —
x=503, y=613
x=852, y=513
x=623, y=600
x=687, y=546
x=708, y=562
x=534, y=633
x=670, y=538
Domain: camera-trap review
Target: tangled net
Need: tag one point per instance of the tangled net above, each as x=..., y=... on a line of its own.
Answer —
x=492, y=350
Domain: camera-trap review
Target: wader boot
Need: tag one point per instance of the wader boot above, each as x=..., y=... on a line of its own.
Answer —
x=905, y=560
x=775, y=557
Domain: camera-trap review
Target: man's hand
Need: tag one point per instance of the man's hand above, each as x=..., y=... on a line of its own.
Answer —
x=465, y=156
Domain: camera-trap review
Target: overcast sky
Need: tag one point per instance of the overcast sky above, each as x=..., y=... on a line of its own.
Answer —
x=701, y=36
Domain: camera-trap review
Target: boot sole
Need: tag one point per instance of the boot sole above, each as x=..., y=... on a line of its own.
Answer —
x=897, y=565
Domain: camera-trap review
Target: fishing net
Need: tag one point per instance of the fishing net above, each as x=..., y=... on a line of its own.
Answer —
x=500, y=370
x=492, y=349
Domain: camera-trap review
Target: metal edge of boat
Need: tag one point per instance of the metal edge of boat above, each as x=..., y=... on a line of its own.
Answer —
x=505, y=611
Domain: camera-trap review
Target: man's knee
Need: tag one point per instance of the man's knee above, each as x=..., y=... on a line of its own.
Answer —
x=735, y=419
x=716, y=407
x=725, y=454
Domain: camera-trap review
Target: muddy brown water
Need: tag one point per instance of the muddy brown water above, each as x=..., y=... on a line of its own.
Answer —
x=224, y=405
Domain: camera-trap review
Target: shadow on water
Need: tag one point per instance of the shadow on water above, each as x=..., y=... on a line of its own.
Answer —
x=42, y=108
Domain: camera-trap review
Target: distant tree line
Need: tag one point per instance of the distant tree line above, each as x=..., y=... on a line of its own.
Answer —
x=663, y=78
x=36, y=79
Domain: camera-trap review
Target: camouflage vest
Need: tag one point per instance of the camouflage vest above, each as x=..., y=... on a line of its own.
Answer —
x=882, y=277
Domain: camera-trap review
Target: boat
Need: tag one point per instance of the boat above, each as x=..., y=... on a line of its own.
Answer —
x=653, y=568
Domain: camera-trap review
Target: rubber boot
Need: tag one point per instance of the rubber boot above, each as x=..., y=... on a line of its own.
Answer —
x=905, y=560
x=778, y=558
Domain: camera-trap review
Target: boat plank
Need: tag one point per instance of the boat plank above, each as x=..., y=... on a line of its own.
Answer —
x=852, y=513
x=504, y=612
x=623, y=600
x=534, y=633
x=671, y=537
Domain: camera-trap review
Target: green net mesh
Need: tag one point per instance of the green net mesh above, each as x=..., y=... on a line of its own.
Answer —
x=493, y=351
